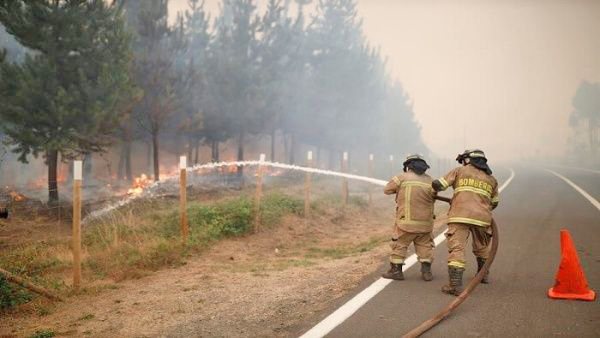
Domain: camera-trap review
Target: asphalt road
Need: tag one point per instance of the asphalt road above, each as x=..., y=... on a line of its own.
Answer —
x=534, y=207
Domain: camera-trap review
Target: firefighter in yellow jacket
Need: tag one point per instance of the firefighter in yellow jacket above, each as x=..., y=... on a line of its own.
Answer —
x=475, y=196
x=414, y=217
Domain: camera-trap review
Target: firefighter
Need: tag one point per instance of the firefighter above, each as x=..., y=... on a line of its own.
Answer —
x=475, y=196
x=414, y=217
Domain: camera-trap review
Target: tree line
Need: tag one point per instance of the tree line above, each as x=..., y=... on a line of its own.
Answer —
x=584, y=141
x=93, y=74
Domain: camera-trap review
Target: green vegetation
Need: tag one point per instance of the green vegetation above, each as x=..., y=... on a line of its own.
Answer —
x=43, y=334
x=56, y=101
x=204, y=78
x=128, y=245
x=11, y=296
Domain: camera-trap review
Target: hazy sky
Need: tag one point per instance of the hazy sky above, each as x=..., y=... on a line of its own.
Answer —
x=497, y=75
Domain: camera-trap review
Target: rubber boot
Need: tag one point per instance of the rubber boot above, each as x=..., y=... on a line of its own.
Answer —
x=480, y=263
x=395, y=272
x=426, y=271
x=455, y=285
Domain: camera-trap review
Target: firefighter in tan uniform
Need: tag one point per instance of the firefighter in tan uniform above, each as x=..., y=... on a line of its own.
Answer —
x=475, y=196
x=414, y=217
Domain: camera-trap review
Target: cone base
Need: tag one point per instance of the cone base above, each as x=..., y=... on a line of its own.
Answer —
x=589, y=296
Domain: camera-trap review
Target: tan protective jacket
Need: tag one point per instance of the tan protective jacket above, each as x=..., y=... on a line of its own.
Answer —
x=414, y=199
x=474, y=194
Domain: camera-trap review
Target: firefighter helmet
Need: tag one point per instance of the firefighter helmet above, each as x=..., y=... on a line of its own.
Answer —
x=412, y=159
x=469, y=154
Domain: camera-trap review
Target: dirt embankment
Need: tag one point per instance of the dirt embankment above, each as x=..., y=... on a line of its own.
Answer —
x=257, y=285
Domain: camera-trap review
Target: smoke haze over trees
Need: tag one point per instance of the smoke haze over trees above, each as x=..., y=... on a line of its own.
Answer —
x=85, y=86
x=584, y=142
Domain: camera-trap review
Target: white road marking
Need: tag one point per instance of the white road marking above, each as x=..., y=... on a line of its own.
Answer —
x=577, y=168
x=351, y=306
x=576, y=187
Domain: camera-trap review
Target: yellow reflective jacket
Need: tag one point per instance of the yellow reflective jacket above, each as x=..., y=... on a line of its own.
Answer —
x=475, y=193
x=414, y=199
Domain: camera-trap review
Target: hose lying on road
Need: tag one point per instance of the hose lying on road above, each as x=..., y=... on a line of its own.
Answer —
x=428, y=324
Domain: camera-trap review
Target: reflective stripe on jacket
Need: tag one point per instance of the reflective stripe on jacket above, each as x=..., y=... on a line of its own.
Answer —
x=474, y=194
x=414, y=199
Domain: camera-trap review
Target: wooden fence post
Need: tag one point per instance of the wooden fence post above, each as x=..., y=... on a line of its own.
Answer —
x=185, y=230
x=259, y=174
x=76, y=241
x=345, y=191
x=370, y=175
x=307, y=183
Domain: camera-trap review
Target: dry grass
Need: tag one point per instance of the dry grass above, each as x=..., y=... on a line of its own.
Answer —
x=134, y=241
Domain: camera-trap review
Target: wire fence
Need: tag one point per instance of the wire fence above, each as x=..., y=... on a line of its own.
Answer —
x=100, y=197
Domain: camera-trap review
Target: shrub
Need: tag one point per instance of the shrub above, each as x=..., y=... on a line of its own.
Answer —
x=11, y=296
x=275, y=206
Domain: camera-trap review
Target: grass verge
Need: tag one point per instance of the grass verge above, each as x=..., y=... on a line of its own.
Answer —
x=136, y=240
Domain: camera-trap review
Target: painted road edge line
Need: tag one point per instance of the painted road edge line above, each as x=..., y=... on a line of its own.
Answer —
x=578, y=189
x=351, y=306
x=576, y=168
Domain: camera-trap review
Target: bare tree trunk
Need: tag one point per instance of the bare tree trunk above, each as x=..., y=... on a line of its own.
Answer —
x=52, y=161
x=286, y=147
x=190, y=149
x=217, y=151
x=293, y=149
x=87, y=167
x=197, y=151
x=273, y=134
x=213, y=151
x=240, y=154
x=121, y=167
x=128, y=171
x=149, y=157
x=155, y=155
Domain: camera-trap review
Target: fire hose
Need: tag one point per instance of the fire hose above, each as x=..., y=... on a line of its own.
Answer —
x=428, y=324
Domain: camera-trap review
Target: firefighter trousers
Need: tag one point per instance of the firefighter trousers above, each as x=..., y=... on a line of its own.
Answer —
x=457, y=236
x=402, y=239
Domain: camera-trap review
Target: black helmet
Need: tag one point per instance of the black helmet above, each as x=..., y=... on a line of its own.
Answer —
x=470, y=153
x=475, y=157
x=416, y=163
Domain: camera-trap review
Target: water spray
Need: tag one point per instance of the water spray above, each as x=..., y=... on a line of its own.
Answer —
x=149, y=191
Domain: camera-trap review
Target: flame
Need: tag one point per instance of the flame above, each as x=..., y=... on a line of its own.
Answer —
x=15, y=195
x=139, y=184
x=231, y=169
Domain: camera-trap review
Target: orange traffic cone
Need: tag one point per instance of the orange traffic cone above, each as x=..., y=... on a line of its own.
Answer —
x=570, y=279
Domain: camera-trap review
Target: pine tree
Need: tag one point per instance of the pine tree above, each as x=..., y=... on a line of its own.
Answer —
x=281, y=57
x=62, y=98
x=236, y=86
x=157, y=46
x=195, y=24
